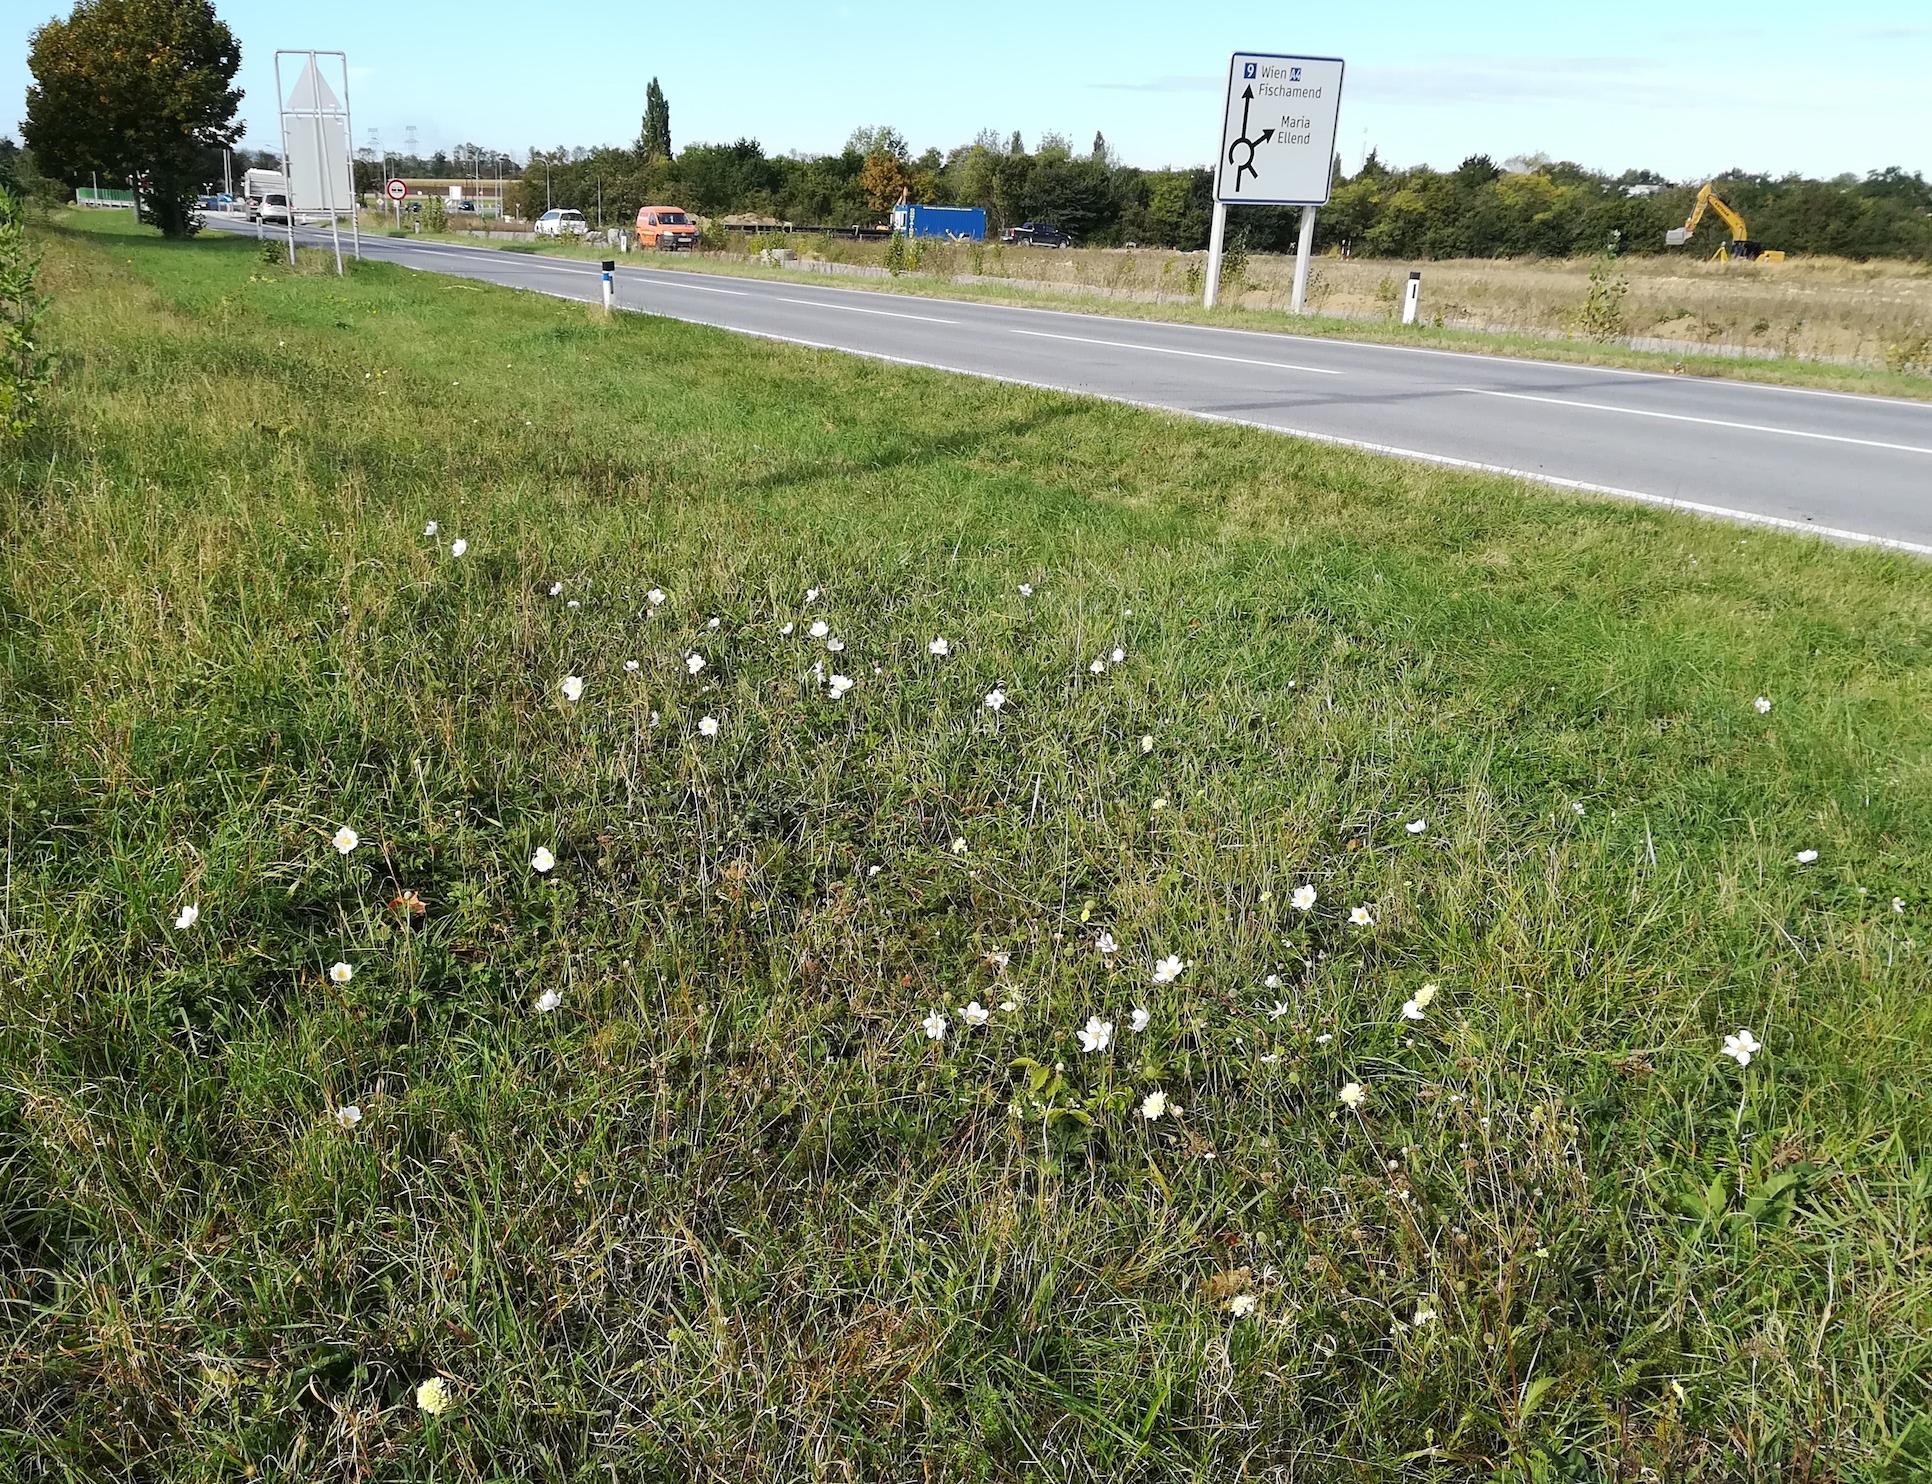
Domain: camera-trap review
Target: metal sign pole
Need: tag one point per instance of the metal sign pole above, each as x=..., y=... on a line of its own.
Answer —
x=1217, y=237
x=288, y=184
x=1303, y=249
x=328, y=175
x=348, y=155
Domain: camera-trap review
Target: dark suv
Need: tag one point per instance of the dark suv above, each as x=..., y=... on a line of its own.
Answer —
x=1035, y=234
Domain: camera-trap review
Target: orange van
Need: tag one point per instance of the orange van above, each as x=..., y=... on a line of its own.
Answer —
x=666, y=228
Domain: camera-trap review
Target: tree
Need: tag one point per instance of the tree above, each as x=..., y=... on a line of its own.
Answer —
x=655, y=141
x=883, y=179
x=135, y=90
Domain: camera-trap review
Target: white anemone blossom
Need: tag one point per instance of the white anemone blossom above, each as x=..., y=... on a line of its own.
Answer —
x=709, y=726
x=1168, y=969
x=940, y=647
x=188, y=916
x=572, y=687
x=1138, y=1021
x=975, y=1014
x=838, y=685
x=694, y=662
x=348, y=1115
x=1106, y=945
x=342, y=973
x=458, y=547
x=542, y=860
x=345, y=840
x=548, y=1001
x=1096, y=1035
x=1741, y=1047
x=1361, y=918
x=1303, y=897
x=995, y=699
x=935, y=1026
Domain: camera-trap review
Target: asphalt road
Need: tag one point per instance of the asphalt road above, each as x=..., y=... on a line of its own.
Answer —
x=1850, y=467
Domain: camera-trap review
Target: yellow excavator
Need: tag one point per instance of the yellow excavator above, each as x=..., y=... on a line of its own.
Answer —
x=1740, y=249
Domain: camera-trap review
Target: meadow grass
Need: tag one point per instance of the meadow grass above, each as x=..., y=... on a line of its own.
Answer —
x=726, y=1212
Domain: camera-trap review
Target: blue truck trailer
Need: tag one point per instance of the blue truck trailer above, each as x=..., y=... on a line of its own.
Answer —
x=960, y=223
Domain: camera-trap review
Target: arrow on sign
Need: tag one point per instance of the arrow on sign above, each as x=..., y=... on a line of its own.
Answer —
x=1246, y=166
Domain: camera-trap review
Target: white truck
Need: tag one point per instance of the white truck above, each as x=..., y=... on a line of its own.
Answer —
x=265, y=194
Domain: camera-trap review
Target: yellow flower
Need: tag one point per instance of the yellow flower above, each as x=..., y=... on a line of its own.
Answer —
x=434, y=1396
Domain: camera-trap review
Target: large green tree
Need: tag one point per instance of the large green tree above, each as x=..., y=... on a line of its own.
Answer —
x=135, y=89
x=655, y=141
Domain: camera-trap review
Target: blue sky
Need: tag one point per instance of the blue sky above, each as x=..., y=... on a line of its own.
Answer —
x=1681, y=88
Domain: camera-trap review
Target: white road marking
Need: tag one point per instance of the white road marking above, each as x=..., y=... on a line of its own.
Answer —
x=1168, y=350
x=855, y=309
x=1709, y=422
x=678, y=283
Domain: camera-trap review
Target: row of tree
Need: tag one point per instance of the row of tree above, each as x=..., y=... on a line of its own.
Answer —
x=144, y=90
x=1529, y=206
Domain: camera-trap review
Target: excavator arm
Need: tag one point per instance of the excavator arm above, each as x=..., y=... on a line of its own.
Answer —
x=1740, y=245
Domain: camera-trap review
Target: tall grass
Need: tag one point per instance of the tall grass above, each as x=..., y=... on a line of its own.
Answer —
x=726, y=1212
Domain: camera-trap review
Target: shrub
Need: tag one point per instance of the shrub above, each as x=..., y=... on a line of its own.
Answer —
x=24, y=366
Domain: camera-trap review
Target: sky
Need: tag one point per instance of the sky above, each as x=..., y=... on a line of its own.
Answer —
x=1682, y=89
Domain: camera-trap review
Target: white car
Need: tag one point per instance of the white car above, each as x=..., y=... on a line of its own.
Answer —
x=558, y=223
x=274, y=208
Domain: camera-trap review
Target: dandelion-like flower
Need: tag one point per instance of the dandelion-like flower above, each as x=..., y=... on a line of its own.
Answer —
x=342, y=973
x=1096, y=1035
x=434, y=1396
x=819, y=629
x=572, y=687
x=940, y=647
x=975, y=1014
x=1426, y=995
x=1153, y=1107
x=694, y=662
x=1138, y=1021
x=430, y=529
x=187, y=917
x=1416, y=826
x=1361, y=918
x=348, y=1115
x=345, y=840
x=1741, y=1048
x=542, y=860
x=709, y=726
x=995, y=699
x=1763, y=704
x=1168, y=969
x=458, y=547
x=1106, y=945
x=548, y=1001
x=934, y=1026
x=1351, y=1094
x=1806, y=857
x=1303, y=897
x=838, y=685
x=1241, y=1305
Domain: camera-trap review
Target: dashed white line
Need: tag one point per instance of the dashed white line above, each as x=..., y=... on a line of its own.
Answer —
x=1709, y=422
x=1168, y=350
x=855, y=309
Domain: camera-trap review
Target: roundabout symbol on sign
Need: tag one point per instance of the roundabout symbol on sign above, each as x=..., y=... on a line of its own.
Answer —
x=1243, y=142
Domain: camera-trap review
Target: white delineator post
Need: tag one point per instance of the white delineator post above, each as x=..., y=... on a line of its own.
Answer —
x=1217, y=239
x=610, y=282
x=1304, y=249
x=1412, y=298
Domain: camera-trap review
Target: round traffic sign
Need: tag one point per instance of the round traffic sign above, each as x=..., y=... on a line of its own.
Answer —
x=396, y=190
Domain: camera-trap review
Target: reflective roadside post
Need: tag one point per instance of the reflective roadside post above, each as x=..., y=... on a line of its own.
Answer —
x=1412, y=297
x=610, y=282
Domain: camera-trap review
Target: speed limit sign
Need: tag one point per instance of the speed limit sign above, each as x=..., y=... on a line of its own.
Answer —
x=396, y=190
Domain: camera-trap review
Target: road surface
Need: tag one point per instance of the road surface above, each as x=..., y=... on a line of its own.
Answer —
x=1851, y=467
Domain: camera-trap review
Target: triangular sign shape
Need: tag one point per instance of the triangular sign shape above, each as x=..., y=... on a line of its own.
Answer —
x=312, y=94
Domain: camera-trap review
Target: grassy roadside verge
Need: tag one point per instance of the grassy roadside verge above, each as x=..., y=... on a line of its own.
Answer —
x=726, y=1212
x=1785, y=371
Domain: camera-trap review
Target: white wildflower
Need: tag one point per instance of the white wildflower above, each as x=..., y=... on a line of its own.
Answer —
x=1303, y=897
x=1154, y=1106
x=959, y=846
x=709, y=726
x=1147, y=744
x=434, y=1397
x=786, y=628
x=430, y=529
x=939, y=647
x=542, y=861
x=1741, y=1047
x=1360, y=917
x=342, y=973
x=811, y=595
x=556, y=589
x=1806, y=857
x=995, y=699
x=819, y=629
x=1138, y=1021
x=835, y=646
x=631, y=666
x=1278, y=1009
x=1416, y=826
x=1241, y=1305
x=548, y=1001
x=573, y=687
x=935, y=1026
x=838, y=685
x=345, y=840
x=1352, y=1094
x=1763, y=704
x=348, y=1115
x=1273, y=981
x=1106, y=945
x=188, y=916
x=458, y=547
x=655, y=596
x=694, y=662
x=1026, y=589
x=1098, y=667
x=1168, y=969
x=1098, y=1034
x=975, y=1013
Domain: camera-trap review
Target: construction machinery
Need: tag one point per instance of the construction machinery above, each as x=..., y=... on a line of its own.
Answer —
x=1740, y=249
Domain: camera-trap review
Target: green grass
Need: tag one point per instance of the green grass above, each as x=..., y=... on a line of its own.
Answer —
x=726, y=1214
x=1783, y=371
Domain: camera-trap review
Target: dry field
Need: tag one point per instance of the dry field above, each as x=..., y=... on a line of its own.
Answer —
x=1824, y=308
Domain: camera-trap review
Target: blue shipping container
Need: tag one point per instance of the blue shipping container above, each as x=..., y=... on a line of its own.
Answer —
x=962, y=223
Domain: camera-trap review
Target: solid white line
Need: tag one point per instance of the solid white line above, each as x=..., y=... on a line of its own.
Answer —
x=701, y=288
x=1528, y=476
x=855, y=309
x=1709, y=422
x=1166, y=350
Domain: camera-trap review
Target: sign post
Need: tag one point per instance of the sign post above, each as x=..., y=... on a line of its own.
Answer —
x=395, y=191
x=315, y=148
x=1277, y=148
